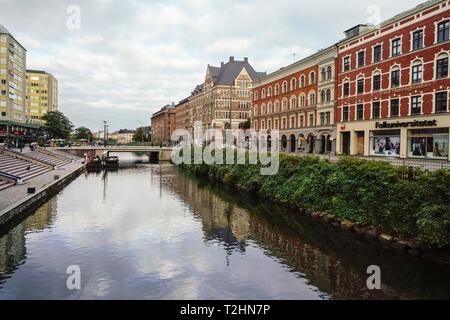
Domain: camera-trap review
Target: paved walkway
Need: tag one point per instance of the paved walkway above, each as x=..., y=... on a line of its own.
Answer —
x=17, y=193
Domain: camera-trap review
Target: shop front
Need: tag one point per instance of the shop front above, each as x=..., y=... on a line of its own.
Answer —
x=425, y=137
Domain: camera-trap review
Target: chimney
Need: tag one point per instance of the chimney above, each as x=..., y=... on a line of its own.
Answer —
x=246, y=60
x=231, y=59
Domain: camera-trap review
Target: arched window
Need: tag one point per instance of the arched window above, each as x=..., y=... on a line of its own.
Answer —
x=263, y=94
x=256, y=95
x=255, y=110
x=277, y=106
x=417, y=71
x=293, y=84
x=284, y=87
x=395, y=76
x=277, y=89
x=263, y=109
x=328, y=95
x=293, y=102
x=322, y=96
x=312, y=78
x=324, y=74
x=312, y=98
x=269, y=92
x=329, y=72
x=302, y=81
x=269, y=107
x=302, y=100
x=441, y=65
x=284, y=105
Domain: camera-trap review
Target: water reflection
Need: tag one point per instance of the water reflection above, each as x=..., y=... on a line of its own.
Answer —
x=153, y=232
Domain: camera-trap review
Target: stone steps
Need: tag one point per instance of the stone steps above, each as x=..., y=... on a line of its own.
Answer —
x=5, y=184
x=57, y=162
x=23, y=169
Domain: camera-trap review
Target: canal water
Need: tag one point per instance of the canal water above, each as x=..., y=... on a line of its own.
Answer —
x=154, y=232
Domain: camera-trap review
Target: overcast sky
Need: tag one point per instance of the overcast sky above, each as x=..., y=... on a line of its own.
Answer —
x=128, y=58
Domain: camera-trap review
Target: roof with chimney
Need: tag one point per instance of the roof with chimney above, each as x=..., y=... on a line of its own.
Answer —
x=228, y=72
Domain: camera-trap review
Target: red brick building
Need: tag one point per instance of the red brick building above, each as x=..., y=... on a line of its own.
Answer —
x=163, y=124
x=393, y=86
x=298, y=100
x=181, y=114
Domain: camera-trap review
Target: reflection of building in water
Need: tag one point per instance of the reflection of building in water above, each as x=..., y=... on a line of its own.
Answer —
x=220, y=219
x=12, y=250
x=13, y=244
x=43, y=217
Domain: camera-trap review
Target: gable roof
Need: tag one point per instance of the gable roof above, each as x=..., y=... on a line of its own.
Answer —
x=228, y=72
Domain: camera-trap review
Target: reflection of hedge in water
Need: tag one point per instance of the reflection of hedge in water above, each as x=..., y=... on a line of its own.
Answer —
x=400, y=201
x=342, y=258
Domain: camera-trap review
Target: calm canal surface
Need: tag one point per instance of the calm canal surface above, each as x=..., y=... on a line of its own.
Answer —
x=154, y=232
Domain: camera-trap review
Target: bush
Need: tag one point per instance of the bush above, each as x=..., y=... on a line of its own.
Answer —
x=400, y=201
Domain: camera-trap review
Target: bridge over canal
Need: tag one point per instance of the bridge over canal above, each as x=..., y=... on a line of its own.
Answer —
x=154, y=152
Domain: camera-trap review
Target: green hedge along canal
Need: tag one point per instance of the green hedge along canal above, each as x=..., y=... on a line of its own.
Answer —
x=154, y=232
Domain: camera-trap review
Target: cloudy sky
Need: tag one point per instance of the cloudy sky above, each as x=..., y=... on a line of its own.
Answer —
x=122, y=60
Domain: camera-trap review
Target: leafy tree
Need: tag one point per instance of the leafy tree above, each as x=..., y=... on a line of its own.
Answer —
x=138, y=135
x=83, y=133
x=245, y=125
x=57, y=125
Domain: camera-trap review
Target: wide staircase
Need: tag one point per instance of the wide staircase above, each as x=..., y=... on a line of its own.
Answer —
x=64, y=154
x=44, y=157
x=23, y=169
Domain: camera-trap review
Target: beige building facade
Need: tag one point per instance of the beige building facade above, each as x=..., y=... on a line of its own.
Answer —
x=224, y=99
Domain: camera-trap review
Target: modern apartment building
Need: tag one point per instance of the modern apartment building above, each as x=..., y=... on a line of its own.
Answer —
x=42, y=95
x=12, y=85
x=298, y=100
x=223, y=100
x=393, y=86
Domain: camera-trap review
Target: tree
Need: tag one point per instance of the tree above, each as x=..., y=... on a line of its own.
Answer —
x=83, y=133
x=138, y=135
x=57, y=125
x=245, y=125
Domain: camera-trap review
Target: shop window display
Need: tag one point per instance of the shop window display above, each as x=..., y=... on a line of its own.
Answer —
x=431, y=143
x=385, y=143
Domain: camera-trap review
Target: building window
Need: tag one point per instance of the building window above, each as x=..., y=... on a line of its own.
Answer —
x=277, y=89
x=428, y=143
x=360, y=58
x=346, y=63
x=377, y=53
x=395, y=108
x=302, y=101
x=311, y=120
x=284, y=87
x=322, y=96
x=418, y=40
x=312, y=78
x=324, y=74
x=395, y=78
x=346, y=89
x=345, y=114
x=417, y=73
x=302, y=121
x=328, y=95
x=360, y=112
x=360, y=86
x=443, y=31
x=293, y=84
x=329, y=72
x=442, y=68
x=377, y=82
x=302, y=81
x=441, y=102
x=328, y=117
x=293, y=103
x=312, y=98
x=376, y=110
x=416, y=105
x=396, y=47
x=292, y=122
x=322, y=119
